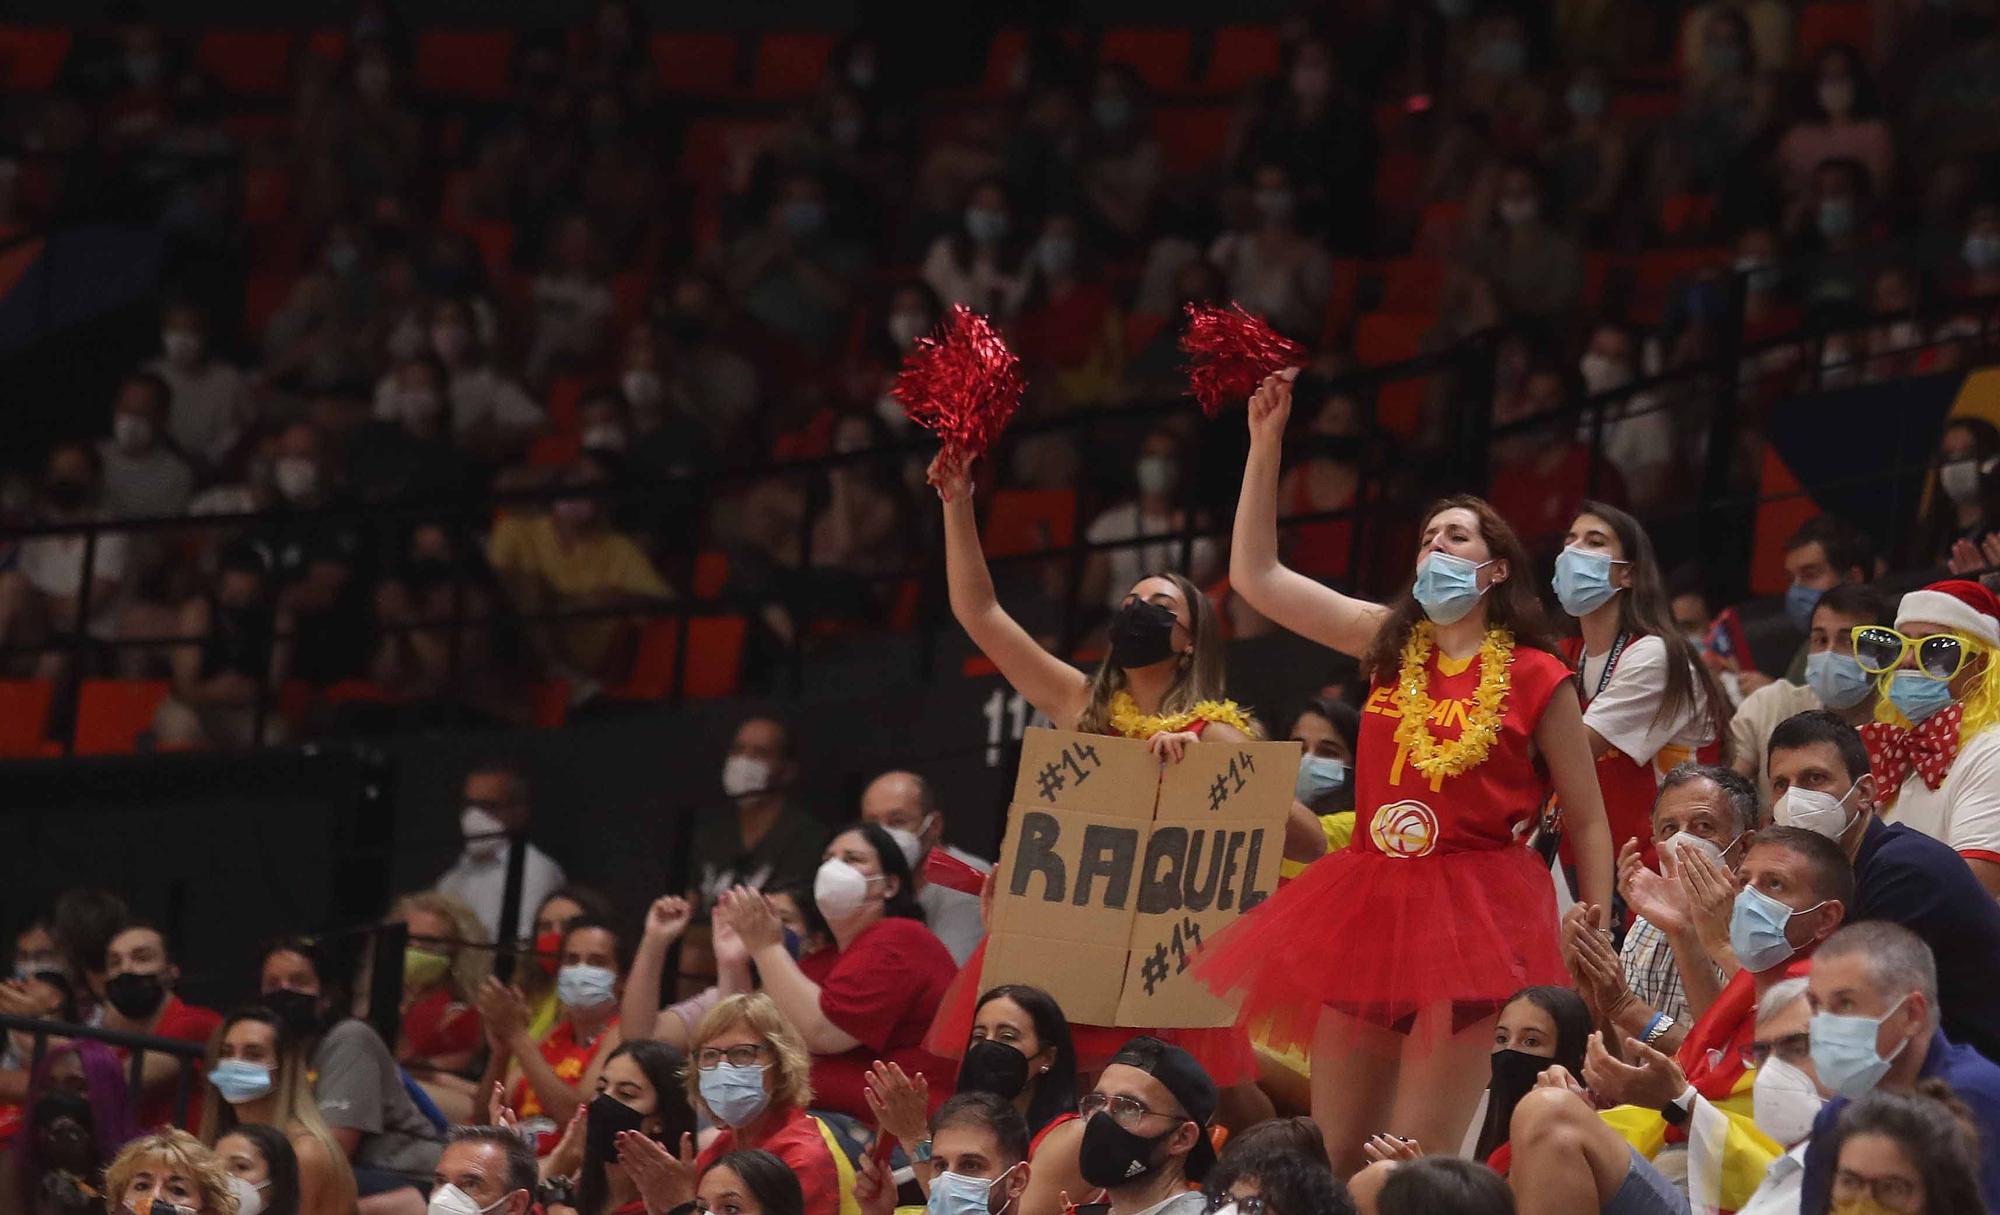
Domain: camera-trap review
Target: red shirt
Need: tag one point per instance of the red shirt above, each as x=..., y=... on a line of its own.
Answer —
x=182, y=1023
x=1541, y=499
x=883, y=989
x=438, y=1024
x=1401, y=811
x=795, y=1138
x=567, y=1058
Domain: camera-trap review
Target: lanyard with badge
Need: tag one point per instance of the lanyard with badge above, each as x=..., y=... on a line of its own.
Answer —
x=1610, y=664
x=1546, y=837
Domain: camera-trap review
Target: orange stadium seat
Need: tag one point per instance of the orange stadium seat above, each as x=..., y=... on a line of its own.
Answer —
x=1389, y=337
x=1161, y=57
x=471, y=64
x=31, y=57
x=790, y=65
x=697, y=64
x=1242, y=55
x=256, y=63
x=1829, y=21
x=24, y=717
x=715, y=659
x=111, y=714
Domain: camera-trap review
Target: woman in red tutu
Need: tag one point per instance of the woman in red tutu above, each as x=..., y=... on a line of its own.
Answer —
x=1161, y=681
x=1394, y=956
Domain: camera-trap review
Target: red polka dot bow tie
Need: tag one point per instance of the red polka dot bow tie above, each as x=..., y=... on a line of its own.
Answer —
x=1926, y=749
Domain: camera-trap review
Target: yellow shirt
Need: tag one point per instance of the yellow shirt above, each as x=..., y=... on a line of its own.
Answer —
x=1339, y=830
x=572, y=574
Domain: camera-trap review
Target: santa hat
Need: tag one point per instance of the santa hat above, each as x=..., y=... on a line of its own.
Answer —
x=1965, y=607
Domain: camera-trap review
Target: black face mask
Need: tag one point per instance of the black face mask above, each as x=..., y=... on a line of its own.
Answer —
x=297, y=1010
x=1514, y=1073
x=993, y=1067
x=1112, y=1156
x=1142, y=634
x=136, y=997
x=608, y=1118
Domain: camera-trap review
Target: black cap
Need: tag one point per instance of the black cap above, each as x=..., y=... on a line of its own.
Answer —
x=1190, y=1085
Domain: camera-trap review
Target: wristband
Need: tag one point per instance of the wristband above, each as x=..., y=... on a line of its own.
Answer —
x=1656, y=1028
x=921, y=1152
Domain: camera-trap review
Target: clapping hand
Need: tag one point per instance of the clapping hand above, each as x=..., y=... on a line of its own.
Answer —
x=755, y=924
x=665, y=1181
x=1659, y=897
x=1592, y=962
x=503, y=1009
x=900, y=1103
x=1651, y=1080
x=1391, y=1147
x=874, y=1188
x=1711, y=896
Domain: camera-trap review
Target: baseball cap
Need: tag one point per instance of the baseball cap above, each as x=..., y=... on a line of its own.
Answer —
x=1193, y=1091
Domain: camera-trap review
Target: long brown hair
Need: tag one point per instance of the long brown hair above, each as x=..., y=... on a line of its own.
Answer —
x=1199, y=676
x=291, y=1083
x=1643, y=610
x=1511, y=605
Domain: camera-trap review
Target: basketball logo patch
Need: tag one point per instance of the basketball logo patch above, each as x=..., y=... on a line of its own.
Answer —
x=1404, y=829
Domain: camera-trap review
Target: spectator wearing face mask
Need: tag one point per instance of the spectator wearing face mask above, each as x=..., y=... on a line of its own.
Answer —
x=263, y=1169
x=1268, y=262
x=1975, y=274
x=873, y=996
x=446, y=958
x=640, y=1109
x=1313, y=123
x=860, y=530
x=1145, y=1131
x=43, y=592
x=1842, y=119
x=759, y=839
x=1154, y=514
x=1785, y=1096
x=408, y=452
x=698, y=368
x=1822, y=554
x=794, y=274
x=1639, y=432
x=139, y=980
x=1964, y=506
x=1834, y=680
x=1821, y=773
x=571, y=300
x=902, y=804
x=1328, y=729
x=1589, y=156
x=977, y=1163
x=1069, y=330
x=260, y=1079
x=1832, y=222
x=547, y=1081
x=1537, y=267
x=169, y=1166
x=751, y=1075
x=230, y=662
x=1118, y=158
x=484, y=1170
x=209, y=402
x=489, y=414
x=981, y=265
x=498, y=803
x=1874, y=1029
x=143, y=475
x=78, y=1116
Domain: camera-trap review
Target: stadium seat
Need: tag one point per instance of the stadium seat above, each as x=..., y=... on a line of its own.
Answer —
x=549, y=700
x=24, y=717
x=790, y=65
x=327, y=44
x=1686, y=215
x=556, y=449
x=111, y=714
x=495, y=238
x=471, y=64
x=711, y=573
x=1006, y=58
x=1030, y=521
x=696, y=64
x=1389, y=337
x=1829, y=21
x=1242, y=56
x=1192, y=137
x=715, y=659
x=1412, y=284
x=1441, y=228
x=31, y=57
x=254, y=63
x=1161, y=57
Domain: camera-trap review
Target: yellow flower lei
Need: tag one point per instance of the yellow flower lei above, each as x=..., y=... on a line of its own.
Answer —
x=1128, y=721
x=1482, y=722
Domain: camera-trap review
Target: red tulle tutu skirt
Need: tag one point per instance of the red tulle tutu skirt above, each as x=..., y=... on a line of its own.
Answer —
x=1224, y=1053
x=1380, y=937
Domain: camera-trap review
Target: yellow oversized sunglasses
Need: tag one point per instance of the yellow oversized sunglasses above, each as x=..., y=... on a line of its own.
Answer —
x=1880, y=649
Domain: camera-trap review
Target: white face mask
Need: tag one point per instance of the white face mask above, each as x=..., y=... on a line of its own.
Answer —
x=1809, y=809
x=132, y=433
x=181, y=346
x=296, y=477
x=450, y=1200
x=1960, y=480
x=642, y=388
x=475, y=822
x=910, y=842
x=451, y=342
x=1784, y=1102
x=249, y=1198
x=1602, y=373
x=1680, y=842
x=743, y=775
x=840, y=890
x=604, y=438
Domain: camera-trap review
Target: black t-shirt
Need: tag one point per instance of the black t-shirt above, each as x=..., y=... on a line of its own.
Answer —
x=789, y=855
x=1906, y=877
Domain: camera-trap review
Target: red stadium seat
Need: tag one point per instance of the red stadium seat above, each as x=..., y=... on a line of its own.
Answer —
x=471, y=64
x=1686, y=214
x=1389, y=337
x=715, y=659
x=1160, y=56
x=495, y=238
x=254, y=63
x=1140, y=328
x=1030, y=521
x=31, y=57
x=111, y=714
x=696, y=64
x=555, y=449
x=1006, y=58
x=24, y=717
x=790, y=65
x=1192, y=137
x=1645, y=106
x=549, y=700
x=711, y=573
x=1829, y=21
x=1412, y=284
x=1242, y=55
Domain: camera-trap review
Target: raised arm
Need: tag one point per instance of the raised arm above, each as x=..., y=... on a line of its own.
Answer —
x=1053, y=686
x=1290, y=598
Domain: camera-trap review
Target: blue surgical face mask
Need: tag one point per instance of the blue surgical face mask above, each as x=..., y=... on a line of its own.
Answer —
x=1844, y=1054
x=1836, y=218
x=586, y=986
x=1837, y=679
x=735, y=1095
x=957, y=1194
x=239, y=1080
x=1799, y=604
x=1982, y=251
x=1757, y=929
x=1917, y=696
x=1322, y=781
x=1447, y=587
x=1583, y=580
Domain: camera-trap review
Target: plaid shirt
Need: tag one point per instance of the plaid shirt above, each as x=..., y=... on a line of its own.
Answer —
x=1650, y=971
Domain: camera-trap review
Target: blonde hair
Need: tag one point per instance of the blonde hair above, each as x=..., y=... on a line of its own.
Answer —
x=470, y=961
x=294, y=1109
x=177, y=1152
x=1198, y=676
x=790, y=1058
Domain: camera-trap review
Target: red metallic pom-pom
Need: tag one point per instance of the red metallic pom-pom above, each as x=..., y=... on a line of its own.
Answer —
x=1230, y=352
x=962, y=384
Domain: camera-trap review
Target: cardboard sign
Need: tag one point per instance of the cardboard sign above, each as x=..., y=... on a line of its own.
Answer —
x=1115, y=870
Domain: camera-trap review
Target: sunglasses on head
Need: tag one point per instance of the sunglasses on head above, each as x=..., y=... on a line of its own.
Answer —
x=1880, y=649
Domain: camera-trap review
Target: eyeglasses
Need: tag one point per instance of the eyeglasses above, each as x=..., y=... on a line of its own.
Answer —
x=1880, y=649
x=1253, y=1205
x=708, y=1058
x=1896, y=1193
x=1127, y=1112
x=1794, y=1049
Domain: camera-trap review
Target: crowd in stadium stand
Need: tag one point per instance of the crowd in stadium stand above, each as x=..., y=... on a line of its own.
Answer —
x=652, y=291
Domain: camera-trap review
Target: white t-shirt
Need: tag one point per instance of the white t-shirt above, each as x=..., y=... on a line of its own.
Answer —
x=479, y=396
x=953, y=918
x=482, y=883
x=1125, y=566
x=210, y=408
x=1759, y=714
x=53, y=565
x=1963, y=812
x=1624, y=713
